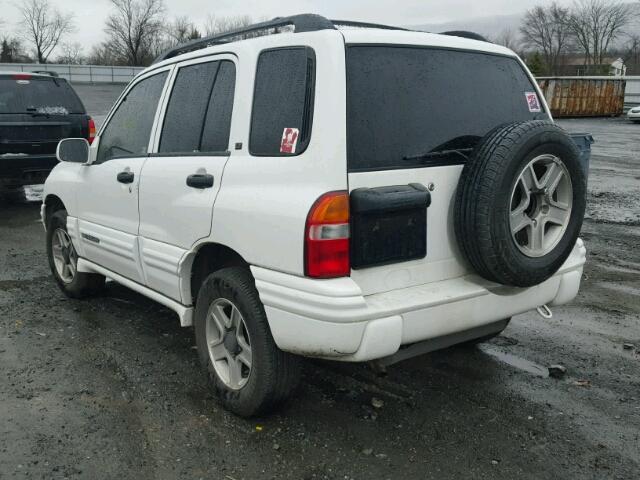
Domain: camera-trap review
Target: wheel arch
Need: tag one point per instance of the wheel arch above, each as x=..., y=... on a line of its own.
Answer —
x=52, y=203
x=205, y=259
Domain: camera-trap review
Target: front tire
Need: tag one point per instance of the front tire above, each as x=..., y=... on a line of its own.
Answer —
x=249, y=373
x=63, y=260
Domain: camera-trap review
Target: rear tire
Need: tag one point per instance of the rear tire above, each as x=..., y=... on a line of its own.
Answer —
x=249, y=373
x=63, y=260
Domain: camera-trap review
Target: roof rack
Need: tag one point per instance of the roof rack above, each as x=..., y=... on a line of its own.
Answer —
x=307, y=22
x=349, y=23
x=300, y=23
x=466, y=34
x=46, y=72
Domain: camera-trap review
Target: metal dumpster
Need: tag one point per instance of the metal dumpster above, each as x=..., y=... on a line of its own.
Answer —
x=583, y=96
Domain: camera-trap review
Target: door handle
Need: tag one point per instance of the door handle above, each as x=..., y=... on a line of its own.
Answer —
x=125, y=177
x=200, y=180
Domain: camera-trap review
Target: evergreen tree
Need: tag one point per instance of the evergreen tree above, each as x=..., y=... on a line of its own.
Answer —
x=536, y=64
x=6, y=53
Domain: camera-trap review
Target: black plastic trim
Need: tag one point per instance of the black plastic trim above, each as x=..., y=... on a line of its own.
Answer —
x=388, y=224
x=190, y=154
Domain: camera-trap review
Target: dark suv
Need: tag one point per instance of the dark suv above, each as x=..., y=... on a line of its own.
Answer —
x=37, y=110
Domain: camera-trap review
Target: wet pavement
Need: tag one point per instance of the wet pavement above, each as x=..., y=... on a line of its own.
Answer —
x=110, y=387
x=98, y=98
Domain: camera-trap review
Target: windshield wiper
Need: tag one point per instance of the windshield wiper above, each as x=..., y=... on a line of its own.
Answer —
x=440, y=153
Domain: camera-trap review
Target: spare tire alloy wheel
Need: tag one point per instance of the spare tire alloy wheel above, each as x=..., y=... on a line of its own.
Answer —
x=229, y=344
x=64, y=254
x=541, y=205
x=520, y=203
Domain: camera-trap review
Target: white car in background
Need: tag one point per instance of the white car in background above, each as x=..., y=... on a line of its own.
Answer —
x=634, y=114
x=358, y=194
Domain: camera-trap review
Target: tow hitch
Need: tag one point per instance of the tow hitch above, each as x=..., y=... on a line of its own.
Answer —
x=544, y=311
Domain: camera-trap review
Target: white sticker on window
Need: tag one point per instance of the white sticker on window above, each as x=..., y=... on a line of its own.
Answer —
x=289, y=140
x=532, y=102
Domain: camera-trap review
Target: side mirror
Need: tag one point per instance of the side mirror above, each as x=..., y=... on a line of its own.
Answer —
x=74, y=150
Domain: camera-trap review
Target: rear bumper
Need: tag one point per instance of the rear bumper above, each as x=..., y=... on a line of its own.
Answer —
x=332, y=319
x=19, y=170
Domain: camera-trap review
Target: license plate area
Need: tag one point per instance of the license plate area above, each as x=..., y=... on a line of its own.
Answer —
x=388, y=224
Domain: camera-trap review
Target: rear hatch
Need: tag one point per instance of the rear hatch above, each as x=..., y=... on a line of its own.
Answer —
x=36, y=112
x=414, y=115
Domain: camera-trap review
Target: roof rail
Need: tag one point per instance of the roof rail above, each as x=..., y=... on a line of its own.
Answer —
x=349, y=23
x=51, y=73
x=307, y=22
x=301, y=23
x=466, y=34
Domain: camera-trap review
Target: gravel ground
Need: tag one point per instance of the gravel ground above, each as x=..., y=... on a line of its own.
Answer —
x=110, y=387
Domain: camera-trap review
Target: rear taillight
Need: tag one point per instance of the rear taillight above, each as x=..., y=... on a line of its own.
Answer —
x=326, y=237
x=92, y=131
x=22, y=76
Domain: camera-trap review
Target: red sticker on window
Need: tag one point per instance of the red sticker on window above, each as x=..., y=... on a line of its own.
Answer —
x=533, y=102
x=289, y=140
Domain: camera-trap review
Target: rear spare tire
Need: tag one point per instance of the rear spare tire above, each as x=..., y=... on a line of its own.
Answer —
x=520, y=203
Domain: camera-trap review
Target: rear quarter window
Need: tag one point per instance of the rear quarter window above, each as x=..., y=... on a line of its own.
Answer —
x=38, y=95
x=406, y=101
x=283, y=100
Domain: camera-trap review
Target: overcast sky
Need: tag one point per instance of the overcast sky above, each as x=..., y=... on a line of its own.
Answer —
x=89, y=14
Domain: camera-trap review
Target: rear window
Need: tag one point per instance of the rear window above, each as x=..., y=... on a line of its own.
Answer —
x=405, y=102
x=39, y=95
x=282, y=102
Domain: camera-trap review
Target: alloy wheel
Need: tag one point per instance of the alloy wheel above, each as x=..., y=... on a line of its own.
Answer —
x=65, y=257
x=228, y=343
x=541, y=202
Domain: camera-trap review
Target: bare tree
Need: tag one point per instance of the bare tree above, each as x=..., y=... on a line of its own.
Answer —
x=546, y=29
x=631, y=53
x=507, y=38
x=216, y=25
x=181, y=30
x=44, y=26
x=71, y=54
x=596, y=24
x=102, y=55
x=134, y=29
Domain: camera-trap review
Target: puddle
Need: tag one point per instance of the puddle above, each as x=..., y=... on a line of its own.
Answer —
x=516, y=362
x=619, y=287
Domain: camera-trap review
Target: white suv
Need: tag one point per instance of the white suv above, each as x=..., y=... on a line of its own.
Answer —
x=350, y=194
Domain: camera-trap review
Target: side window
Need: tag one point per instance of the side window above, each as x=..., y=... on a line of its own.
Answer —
x=217, y=124
x=282, y=102
x=198, y=117
x=127, y=133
